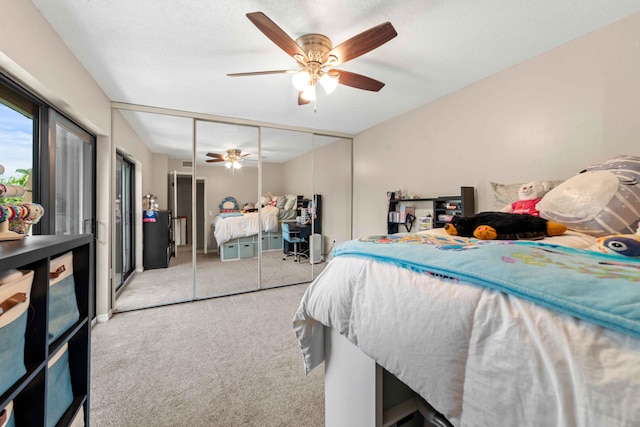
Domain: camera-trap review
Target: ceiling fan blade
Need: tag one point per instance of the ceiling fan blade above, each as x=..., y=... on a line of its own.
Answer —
x=301, y=100
x=362, y=43
x=219, y=156
x=214, y=160
x=275, y=33
x=359, y=81
x=259, y=73
x=245, y=155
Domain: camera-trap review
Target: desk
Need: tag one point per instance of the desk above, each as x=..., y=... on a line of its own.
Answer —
x=304, y=231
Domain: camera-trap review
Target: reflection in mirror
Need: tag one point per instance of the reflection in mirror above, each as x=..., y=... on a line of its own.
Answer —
x=287, y=188
x=227, y=230
x=287, y=179
x=164, y=268
x=332, y=179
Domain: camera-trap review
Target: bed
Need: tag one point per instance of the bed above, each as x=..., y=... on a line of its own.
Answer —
x=479, y=356
x=234, y=224
x=509, y=333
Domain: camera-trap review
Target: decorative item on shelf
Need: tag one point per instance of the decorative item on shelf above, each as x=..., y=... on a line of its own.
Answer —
x=149, y=202
x=150, y=208
x=16, y=219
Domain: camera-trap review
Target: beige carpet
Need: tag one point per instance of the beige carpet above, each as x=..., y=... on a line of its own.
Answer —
x=229, y=361
x=213, y=278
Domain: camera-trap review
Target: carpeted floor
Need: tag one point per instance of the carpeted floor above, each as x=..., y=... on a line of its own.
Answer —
x=231, y=361
x=213, y=278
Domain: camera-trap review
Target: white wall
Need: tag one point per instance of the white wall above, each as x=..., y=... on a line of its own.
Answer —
x=35, y=56
x=546, y=118
x=332, y=179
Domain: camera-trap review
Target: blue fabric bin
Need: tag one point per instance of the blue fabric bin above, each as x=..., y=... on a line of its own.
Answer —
x=15, y=290
x=63, y=306
x=59, y=391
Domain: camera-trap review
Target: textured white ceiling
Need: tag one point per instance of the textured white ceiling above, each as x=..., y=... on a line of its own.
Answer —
x=176, y=54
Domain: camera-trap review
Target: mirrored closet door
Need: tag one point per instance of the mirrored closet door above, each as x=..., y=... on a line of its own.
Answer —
x=287, y=189
x=231, y=191
x=164, y=248
x=227, y=245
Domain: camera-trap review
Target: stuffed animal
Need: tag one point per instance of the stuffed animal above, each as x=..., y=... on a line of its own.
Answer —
x=620, y=244
x=530, y=194
x=503, y=226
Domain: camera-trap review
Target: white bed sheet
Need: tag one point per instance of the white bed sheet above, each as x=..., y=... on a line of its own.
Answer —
x=478, y=356
x=234, y=227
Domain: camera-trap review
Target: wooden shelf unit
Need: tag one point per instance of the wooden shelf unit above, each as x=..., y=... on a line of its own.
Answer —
x=29, y=393
x=462, y=205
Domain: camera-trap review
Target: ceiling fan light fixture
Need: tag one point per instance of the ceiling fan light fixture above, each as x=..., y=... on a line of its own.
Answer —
x=228, y=164
x=236, y=164
x=329, y=82
x=301, y=80
x=309, y=93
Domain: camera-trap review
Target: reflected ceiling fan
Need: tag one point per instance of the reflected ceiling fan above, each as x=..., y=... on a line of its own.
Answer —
x=317, y=57
x=232, y=160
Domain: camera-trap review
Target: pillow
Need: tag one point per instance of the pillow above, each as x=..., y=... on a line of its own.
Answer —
x=505, y=194
x=228, y=204
x=280, y=202
x=291, y=203
x=602, y=200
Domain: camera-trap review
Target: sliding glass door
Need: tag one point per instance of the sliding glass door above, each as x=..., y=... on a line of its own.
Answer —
x=74, y=180
x=124, y=243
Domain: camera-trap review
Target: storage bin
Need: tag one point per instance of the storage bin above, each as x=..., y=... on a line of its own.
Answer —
x=6, y=416
x=59, y=391
x=246, y=250
x=63, y=306
x=230, y=251
x=275, y=242
x=15, y=291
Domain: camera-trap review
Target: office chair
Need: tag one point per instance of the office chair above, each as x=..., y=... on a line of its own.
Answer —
x=293, y=238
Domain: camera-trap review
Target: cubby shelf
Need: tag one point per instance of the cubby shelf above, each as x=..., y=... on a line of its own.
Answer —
x=29, y=392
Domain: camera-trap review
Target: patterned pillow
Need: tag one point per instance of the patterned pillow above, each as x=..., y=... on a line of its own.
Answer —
x=280, y=202
x=603, y=200
x=228, y=204
x=505, y=194
x=291, y=202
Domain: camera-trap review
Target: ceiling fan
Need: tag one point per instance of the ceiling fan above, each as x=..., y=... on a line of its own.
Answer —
x=232, y=159
x=317, y=57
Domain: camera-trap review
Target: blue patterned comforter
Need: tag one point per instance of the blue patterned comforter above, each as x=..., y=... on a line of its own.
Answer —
x=600, y=288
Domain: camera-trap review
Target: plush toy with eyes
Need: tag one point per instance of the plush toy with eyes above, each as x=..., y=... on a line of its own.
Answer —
x=530, y=194
x=503, y=226
x=620, y=244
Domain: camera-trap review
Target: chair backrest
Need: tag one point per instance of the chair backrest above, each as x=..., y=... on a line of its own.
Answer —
x=286, y=234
